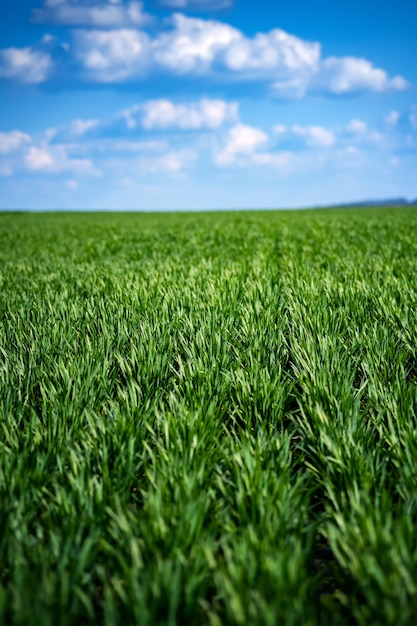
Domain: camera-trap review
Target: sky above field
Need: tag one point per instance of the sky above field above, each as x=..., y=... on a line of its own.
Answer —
x=201, y=104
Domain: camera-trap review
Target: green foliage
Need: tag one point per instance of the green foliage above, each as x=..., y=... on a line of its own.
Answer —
x=209, y=419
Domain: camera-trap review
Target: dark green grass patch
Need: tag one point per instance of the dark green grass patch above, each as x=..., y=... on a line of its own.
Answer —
x=209, y=418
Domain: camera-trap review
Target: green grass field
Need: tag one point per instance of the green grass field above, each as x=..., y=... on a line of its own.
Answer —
x=209, y=419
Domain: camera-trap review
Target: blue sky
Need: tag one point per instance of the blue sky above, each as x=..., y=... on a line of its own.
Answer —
x=206, y=104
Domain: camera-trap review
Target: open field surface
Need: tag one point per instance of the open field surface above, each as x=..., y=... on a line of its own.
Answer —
x=209, y=419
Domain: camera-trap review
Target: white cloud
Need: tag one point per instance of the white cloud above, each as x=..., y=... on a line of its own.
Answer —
x=69, y=151
x=192, y=45
x=354, y=132
x=72, y=184
x=315, y=136
x=206, y=113
x=116, y=49
x=338, y=76
x=96, y=15
x=241, y=140
x=113, y=56
x=271, y=54
x=199, y=47
x=350, y=75
x=56, y=159
x=26, y=65
x=13, y=140
x=163, y=114
x=39, y=159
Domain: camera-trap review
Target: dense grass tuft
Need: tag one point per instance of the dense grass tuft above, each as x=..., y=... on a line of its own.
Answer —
x=209, y=419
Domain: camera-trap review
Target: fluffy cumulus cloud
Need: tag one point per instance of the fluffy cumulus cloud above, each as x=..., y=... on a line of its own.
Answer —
x=25, y=65
x=192, y=45
x=198, y=47
x=248, y=146
x=90, y=147
x=72, y=149
x=104, y=14
x=242, y=140
x=164, y=114
x=45, y=153
x=350, y=74
x=111, y=44
x=206, y=113
x=272, y=54
x=112, y=56
x=351, y=145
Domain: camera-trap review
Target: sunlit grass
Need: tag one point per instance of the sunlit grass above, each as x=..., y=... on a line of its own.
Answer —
x=209, y=419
